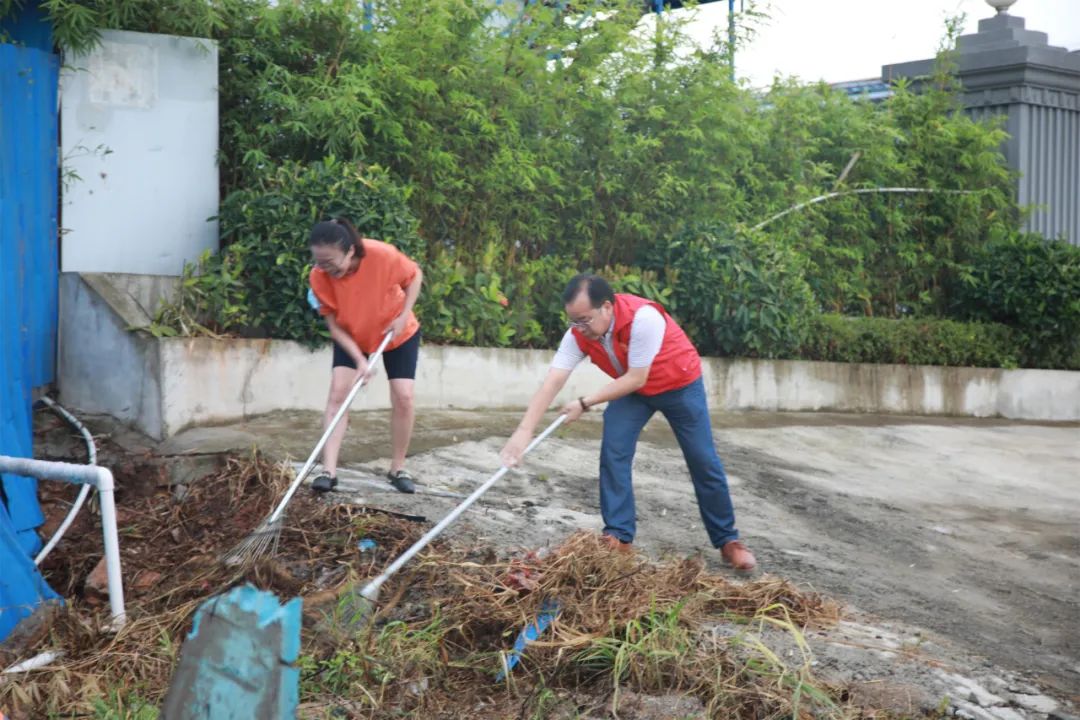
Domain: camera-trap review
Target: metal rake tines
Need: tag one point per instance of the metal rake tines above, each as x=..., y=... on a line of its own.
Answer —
x=262, y=541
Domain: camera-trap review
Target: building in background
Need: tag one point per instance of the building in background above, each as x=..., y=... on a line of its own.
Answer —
x=1008, y=70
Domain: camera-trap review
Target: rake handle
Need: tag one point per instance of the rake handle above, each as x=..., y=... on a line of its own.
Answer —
x=371, y=590
x=330, y=429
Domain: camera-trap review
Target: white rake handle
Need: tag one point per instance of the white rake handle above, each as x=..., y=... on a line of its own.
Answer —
x=330, y=429
x=372, y=588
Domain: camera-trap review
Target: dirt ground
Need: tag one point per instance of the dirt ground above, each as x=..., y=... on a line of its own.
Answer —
x=954, y=543
x=955, y=537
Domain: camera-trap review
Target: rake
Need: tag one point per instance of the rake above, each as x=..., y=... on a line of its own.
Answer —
x=359, y=606
x=263, y=540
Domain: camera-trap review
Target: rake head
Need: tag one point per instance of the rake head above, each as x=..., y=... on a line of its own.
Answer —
x=261, y=542
x=355, y=609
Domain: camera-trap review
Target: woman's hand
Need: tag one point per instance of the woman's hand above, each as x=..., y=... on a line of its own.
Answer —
x=398, y=325
x=362, y=367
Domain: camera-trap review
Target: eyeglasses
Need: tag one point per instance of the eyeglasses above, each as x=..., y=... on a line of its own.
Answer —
x=581, y=324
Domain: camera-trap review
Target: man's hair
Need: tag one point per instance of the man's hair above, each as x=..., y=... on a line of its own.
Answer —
x=597, y=287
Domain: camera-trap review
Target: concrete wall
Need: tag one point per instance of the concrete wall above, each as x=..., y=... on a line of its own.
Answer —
x=207, y=381
x=139, y=127
x=102, y=366
x=789, y=385
x=165, y=385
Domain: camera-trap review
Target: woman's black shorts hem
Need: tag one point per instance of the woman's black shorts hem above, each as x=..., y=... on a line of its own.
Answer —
x=400, y=363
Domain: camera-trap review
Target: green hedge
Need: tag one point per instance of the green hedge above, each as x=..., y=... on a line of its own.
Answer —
x=257, y=285
x=837, y=338
x=1032, y=285
x=739, y=294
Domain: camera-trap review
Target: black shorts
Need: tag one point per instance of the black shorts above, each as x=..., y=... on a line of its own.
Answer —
x=400, y=363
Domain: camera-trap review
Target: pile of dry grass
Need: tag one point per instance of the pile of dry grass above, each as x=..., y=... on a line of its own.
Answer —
x=441, y=636
x=178, y=544
x=594, y=585
x=623, y=621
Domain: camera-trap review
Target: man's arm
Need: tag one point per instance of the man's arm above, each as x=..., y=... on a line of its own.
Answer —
x=541, y=401
x=633, y=380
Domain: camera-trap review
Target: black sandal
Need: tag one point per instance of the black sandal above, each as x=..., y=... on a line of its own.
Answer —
x=402, y=481
x=324, y=483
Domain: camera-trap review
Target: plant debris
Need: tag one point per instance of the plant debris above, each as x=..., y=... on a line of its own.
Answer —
x=626, y=626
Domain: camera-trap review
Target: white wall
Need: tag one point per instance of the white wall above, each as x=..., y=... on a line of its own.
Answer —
x=205, y=381
x=139, y=127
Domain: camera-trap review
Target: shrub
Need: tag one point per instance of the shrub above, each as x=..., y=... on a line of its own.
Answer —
x=739, y=294
x=463, y=305
x=538, y=286
x=257, y=284
x=837, y=338
x=1032, y=285
x=495, y=305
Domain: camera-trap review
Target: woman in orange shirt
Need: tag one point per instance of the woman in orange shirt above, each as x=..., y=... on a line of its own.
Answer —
x=365, y=288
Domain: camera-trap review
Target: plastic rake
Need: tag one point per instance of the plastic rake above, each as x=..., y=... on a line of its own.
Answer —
x=264, y=539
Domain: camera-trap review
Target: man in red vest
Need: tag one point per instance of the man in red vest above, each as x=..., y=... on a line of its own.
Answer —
x=655, y=367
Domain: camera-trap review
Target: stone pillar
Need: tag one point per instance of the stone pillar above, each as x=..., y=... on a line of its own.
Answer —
x=1008, y=70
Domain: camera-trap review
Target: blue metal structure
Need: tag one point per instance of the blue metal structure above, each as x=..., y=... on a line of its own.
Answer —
x=29, y=73
x=239, y=660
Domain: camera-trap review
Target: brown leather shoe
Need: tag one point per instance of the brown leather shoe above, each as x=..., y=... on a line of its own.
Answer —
x=613, y=543
x=737, y=556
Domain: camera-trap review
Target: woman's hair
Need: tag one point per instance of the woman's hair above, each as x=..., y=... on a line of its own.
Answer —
x=338, y=232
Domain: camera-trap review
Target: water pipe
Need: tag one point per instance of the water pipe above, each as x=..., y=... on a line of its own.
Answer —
x=35, y=663
x=91, y=451
x=102, y=479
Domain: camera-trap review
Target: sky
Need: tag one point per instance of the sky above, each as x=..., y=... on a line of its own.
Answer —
x=837, y=40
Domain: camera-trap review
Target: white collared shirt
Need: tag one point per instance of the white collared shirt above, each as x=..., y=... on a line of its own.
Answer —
x=646, y=337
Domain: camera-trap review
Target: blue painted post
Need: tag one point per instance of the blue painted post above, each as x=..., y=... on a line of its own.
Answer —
x=239, y=660
x=369, y=16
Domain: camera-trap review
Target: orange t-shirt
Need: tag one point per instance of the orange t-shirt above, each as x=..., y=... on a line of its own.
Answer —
x=367, y=301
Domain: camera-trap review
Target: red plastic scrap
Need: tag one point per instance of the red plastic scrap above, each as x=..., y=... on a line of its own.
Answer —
x=524, y=573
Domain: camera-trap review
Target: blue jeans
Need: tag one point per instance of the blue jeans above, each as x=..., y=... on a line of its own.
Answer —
x=688, y=415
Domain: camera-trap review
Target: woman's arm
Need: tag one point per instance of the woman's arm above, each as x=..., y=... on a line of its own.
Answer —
x=412, y=292
x=344, y=339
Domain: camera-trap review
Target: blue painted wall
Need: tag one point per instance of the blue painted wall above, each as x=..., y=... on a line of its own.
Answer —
x=29, y=190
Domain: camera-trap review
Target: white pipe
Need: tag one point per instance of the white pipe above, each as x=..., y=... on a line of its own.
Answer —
x=38, y=661
x=102, y=479
x=91, y=451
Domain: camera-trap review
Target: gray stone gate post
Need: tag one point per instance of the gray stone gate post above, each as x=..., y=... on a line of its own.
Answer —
x=1008, y=70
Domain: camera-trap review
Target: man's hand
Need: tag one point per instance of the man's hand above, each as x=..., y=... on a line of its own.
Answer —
x=572, y=410
x=398, y=325
x=515, y=447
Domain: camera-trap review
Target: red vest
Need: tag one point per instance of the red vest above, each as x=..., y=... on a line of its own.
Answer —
x=675, y=366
